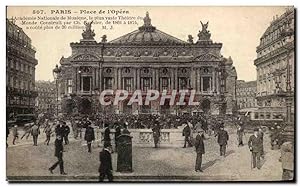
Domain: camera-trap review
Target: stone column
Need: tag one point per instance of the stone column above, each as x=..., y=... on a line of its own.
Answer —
x=153, y=79
x=138, y=78
x=100, y=84
x=134, y=79
x=198, y=80
x=120, y=82
x=157, y=78
x=172, y=79
x=176, y=79
x=218, y=83
x=214, y=80
x=115, y=78
x=193, y=78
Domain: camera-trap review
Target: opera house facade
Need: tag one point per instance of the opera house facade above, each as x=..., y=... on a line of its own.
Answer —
x=147, y=59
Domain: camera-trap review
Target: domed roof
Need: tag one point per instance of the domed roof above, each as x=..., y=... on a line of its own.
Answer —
x=147, y=34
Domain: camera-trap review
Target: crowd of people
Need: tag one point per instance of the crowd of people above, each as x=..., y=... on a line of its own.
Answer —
x=204, y=126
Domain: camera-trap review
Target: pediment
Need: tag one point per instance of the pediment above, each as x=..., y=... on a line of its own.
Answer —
x=207, y=57
x=86, y=57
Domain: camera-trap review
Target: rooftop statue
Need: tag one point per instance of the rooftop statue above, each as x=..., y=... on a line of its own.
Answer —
x=204, y=33
x=88, y=33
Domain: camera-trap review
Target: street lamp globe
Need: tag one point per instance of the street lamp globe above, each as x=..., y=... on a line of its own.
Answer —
x=56, y=72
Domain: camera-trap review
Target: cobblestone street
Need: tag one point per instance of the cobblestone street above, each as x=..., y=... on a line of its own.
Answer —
x=30, y=162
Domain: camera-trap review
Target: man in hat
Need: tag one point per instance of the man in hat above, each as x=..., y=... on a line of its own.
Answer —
x=48, y=132
x=200, y=150
x=254, y=144
x=156, y=133
x=240, y=134
x=105, y=168
x=89, y=136
x=125, y=130
x=287, y=160
x=222, y=139
x=15, y=133
x=261, y=136
x=59, y=154
x=66, y=132
x=27, y=130
x=186, y=132
x=107, y=135
x=59, y=130
x=35, y=131
x=117, y=134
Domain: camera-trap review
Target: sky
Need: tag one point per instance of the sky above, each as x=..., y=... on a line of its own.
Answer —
x=238, y=28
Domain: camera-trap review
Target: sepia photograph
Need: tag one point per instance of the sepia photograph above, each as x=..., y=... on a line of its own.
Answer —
x=150, y=94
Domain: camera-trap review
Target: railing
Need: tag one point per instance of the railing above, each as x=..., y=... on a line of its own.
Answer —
x=144, y=137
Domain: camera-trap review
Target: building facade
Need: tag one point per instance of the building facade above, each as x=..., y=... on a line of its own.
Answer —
x=46, y=99
x=246, y=94
x=275, y=67
x=145, y=59
x=20, y=71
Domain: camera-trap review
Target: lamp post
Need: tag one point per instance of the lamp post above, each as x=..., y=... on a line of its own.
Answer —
x=56, y=71
x=289, y=128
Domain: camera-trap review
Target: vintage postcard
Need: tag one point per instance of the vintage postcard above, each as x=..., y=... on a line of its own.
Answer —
x=150, y=94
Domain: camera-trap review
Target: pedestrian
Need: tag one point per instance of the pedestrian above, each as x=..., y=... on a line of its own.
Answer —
x=59, y=154
x=27, y=130
x=59, y=130
x=105, y=168
x=75, y=129
x=15, y=133
x=254, y=144
x=35, y=131
x=156, y=134
x=222, y=140
x=117, y=134
x=66, y=132
x=7, y=134
x=200, y=150
x=107, y=138
x=89, y=136
x=261, y=135
x=48, y=132
x=240, y=134
x=186, y=132
x=125, y=130
x=287, y=160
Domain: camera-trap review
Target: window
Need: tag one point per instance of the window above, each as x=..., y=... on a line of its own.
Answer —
x=146, y=82
x=86, y=87
x=70, y=86
x=128, y=84
x=108, y=83
x=146, y=70
x=127, y=70
x=183, y=83
x=262, y=116
x=206, y=84
x=164, y=83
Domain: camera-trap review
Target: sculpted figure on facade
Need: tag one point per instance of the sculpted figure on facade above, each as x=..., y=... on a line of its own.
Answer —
x=88, y=33
x=190, y=39
x=204, y=34
x=104, y=39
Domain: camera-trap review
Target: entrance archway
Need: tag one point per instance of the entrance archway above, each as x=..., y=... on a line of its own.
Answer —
x=127, y=109
x=205, y=105
x=86, y=106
